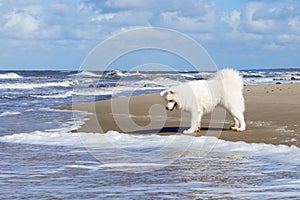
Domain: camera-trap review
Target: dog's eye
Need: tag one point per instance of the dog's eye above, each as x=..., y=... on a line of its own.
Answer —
x=170, y=101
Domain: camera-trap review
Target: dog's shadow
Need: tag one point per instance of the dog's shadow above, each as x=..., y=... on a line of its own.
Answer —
x=176, y=130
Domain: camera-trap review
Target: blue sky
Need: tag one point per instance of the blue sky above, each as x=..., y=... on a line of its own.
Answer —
x=59, y=34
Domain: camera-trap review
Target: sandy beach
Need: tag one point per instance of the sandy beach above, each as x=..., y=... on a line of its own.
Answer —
x=272, y=116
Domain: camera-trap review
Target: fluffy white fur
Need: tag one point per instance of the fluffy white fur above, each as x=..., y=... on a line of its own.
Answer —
x=201, y=97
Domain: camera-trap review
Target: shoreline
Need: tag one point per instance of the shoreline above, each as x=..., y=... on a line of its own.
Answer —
x=272, y=116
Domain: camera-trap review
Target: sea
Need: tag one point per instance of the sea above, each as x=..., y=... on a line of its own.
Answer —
x=41, y=158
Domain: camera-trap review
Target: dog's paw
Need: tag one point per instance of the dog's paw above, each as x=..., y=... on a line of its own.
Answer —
x=240, y=129
x=189, y=131
x=234, y=128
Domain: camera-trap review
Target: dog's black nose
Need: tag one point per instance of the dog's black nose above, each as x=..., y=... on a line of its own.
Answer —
x=167, y=108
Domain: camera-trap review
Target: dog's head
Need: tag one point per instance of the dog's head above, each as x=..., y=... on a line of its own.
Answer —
x=172, y=99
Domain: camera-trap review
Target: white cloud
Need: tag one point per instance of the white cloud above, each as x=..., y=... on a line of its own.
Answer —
x=34, y=10
x=84, y=8
x=130, y=4
x=102, y=17
x=270, y=26
x=60, y=19
x=177, y=21
x=273, y=47
x=294, y=24
x=60, y=7
x=21, y=22
x=252, y=22
x=270, y=18
x=233, y=19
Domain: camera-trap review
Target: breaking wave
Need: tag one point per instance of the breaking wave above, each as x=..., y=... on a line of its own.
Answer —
x=8, y=113
x=35, y=85
x=10, y=75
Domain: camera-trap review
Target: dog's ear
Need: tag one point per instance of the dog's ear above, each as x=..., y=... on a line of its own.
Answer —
x=162, y=93
x=171, y=92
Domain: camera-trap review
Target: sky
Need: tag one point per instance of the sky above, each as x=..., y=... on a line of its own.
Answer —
x=60, y=34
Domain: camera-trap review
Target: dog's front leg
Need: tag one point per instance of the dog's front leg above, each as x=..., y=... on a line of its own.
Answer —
x=195, y=121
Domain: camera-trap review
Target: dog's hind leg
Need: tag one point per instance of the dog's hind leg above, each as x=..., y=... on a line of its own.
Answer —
x=242, y=124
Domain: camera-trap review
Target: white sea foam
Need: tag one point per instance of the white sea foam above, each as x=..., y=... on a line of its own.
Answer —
x=188, y=76
x=61, y=136
x=256, y=81
x=8, y=113
x=54, y=96
x=86, y=74
x=35, y=85
x=119, y=74
x=136, y=74
x=10, y=75
x=90, y=92
x=152, y=84
x=113, y=139
x=43, y=138
x=166, y=82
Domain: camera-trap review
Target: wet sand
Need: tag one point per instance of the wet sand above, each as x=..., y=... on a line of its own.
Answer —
x=272, y=116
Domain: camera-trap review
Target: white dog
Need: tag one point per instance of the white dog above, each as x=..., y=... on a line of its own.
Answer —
x=202, y=96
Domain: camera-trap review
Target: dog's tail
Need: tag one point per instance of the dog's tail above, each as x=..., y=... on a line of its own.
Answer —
x=232, y=76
